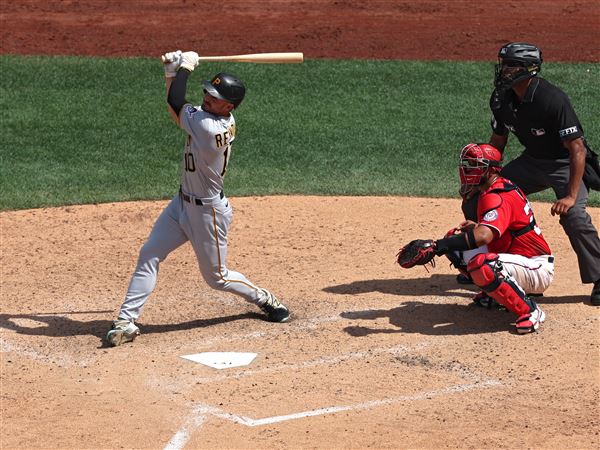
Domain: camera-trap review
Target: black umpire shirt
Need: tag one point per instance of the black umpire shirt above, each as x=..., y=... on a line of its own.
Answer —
x=541, y=121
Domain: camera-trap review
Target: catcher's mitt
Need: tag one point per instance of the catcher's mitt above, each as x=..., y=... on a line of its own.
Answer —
x=416, y=253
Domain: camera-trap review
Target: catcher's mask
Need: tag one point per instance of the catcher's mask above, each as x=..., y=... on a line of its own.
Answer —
x=517, y=61
x=477, y=163
x=226, y=87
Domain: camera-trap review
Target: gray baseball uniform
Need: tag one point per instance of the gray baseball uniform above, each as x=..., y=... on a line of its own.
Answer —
x=200, y=214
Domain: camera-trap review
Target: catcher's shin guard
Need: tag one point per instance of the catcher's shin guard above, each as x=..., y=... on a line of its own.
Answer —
x=485, y=269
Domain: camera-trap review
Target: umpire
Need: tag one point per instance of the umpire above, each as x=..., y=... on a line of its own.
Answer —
x=556, y=154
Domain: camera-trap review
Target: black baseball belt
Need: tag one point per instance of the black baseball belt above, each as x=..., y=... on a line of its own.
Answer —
x=195, y=200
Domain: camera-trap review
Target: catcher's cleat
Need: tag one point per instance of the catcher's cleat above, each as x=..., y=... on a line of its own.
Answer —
x=463, y=279
x=485, y=301
x=274, y=309
x=122, y=331
x=528, y=323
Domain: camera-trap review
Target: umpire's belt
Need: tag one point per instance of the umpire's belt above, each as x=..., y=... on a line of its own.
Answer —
x=196, y=200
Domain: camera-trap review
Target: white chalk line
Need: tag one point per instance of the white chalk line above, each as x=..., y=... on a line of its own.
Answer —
x=243, y=420
x=181, y=438
x=201, y=412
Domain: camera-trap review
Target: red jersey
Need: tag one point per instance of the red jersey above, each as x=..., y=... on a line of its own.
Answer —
x=505, y=209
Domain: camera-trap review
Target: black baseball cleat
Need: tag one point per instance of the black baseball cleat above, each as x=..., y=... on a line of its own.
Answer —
x=483, y=300
x=274, y=309
x=463, y=279
x=595, y=297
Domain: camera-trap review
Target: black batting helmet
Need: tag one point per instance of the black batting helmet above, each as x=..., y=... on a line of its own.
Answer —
x=517, y=61
x=226, y=87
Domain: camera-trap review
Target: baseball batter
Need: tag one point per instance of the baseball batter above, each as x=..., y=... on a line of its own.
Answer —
x=200, y=213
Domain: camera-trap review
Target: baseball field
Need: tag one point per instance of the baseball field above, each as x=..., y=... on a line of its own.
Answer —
x=338, y=162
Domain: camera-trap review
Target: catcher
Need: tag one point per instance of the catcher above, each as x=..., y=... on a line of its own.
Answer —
x=508, y=256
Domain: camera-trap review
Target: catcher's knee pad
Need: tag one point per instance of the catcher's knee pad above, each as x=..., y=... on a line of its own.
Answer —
x=486, y=271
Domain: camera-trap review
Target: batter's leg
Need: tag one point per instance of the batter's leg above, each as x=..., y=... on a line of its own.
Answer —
x=207, y=230
x=166, y=236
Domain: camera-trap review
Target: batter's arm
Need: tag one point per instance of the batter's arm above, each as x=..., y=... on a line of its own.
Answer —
x=174, y=116
x=577, y=154
x=176, y=88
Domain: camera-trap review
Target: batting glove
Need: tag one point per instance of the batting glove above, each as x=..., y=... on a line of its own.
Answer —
x=171, y=61
x=189, y=60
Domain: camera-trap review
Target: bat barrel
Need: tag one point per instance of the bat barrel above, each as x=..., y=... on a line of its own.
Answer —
x=264, y=58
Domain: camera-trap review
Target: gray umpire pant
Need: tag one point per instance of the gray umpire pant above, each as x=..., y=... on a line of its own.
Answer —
x=534, y=175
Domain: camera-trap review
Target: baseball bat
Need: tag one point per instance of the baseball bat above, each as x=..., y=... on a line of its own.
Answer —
x=265, y=58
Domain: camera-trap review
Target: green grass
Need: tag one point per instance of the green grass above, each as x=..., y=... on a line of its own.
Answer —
x=84, y=130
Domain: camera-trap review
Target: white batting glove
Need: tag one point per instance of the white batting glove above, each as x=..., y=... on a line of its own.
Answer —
x=172, y=61
x=189, y=60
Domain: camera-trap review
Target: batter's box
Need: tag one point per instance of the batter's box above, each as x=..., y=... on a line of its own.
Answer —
x=351, y=382
x=355, y=378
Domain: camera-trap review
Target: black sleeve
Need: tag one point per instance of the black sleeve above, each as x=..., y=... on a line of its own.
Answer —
x=176, y=97
x=496, y=122
x=458, y=242
x=567, y=122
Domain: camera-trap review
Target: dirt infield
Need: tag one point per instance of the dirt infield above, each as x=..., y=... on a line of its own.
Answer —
x=375, y=356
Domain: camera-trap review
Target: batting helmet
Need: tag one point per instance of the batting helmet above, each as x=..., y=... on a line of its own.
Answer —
x=226, y=87
x=477, y=163
x=517, y=61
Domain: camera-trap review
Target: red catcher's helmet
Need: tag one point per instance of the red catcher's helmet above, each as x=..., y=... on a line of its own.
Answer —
x=477, y=163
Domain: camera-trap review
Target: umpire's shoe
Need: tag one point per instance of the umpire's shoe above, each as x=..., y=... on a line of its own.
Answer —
x=273, y=308
x=122, y=331
x=595, y=297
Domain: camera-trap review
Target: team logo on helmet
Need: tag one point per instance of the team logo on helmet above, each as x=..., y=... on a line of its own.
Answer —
x=226, y=87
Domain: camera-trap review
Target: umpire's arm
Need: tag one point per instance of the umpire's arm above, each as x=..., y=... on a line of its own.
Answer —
x=498, y=141
x=577, y=154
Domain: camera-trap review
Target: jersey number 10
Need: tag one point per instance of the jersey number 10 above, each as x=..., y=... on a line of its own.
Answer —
x=190, y=165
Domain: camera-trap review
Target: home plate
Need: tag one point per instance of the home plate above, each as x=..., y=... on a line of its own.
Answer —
x=222, y=360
